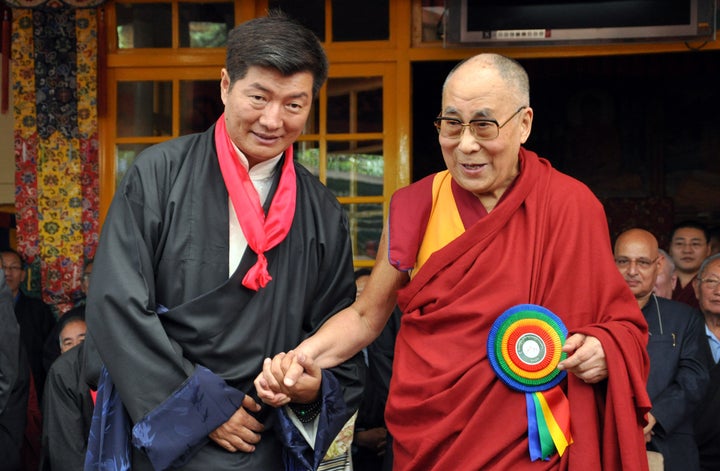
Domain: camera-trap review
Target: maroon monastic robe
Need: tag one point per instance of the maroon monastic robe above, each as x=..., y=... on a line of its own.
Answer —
x=546, y=243
x=686, y=294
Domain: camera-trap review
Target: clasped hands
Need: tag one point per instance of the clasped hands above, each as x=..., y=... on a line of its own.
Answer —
x=242, y=431
x=293, y=377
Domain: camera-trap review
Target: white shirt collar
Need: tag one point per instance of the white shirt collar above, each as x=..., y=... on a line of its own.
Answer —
x=260, y=170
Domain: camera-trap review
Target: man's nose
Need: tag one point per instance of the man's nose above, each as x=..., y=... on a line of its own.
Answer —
x=271, y=117
x=468, y=143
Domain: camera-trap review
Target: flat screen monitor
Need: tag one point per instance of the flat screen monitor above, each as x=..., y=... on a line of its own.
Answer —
x=528, y=22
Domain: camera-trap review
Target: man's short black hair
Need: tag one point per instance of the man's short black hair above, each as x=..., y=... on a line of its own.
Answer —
x=691, y=224
x=278, y=42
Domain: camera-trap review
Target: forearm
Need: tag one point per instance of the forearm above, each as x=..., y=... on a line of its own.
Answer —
x=355, y=327
x=349, y=326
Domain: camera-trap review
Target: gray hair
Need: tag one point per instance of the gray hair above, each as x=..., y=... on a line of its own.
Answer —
x=668, y=260
x=510, y=70
x=705, y=264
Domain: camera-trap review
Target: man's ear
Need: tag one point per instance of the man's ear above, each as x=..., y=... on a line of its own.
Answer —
x=526, y=125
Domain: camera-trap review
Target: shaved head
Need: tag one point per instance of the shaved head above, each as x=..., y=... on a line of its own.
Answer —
x=637, y=259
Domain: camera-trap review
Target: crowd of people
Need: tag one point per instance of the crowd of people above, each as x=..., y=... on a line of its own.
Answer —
x=225, y=327
x=38, y=350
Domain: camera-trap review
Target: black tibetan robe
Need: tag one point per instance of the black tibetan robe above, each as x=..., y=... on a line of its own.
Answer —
x=67, y=411
x=14, y=383
x=183, y=372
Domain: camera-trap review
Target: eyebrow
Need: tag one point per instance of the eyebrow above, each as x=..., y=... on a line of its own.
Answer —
x=483, y=113
x=258, y=86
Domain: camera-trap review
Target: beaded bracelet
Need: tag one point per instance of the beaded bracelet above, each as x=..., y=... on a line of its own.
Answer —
x=306, y=413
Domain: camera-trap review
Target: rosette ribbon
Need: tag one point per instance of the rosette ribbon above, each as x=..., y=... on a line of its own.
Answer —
x=524, y=348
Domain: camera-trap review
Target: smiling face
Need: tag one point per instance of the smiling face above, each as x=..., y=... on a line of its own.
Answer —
x=265, y=112
x=486, y=168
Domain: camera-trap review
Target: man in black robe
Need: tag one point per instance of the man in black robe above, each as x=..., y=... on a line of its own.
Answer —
x=67, y=402
x=51, y=349
x=197, y=283
x=35, y=318
x=14, y=382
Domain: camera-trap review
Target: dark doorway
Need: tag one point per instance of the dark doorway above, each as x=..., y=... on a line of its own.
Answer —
x=640, y=127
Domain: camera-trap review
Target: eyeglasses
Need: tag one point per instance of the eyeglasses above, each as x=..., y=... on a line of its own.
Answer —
x=482, y=129
x=642, y=263
x=710, y=283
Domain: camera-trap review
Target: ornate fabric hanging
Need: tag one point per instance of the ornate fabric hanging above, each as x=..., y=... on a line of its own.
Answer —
x=54, y=72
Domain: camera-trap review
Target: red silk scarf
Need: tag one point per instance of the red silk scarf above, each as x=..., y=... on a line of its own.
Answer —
x=261, y=232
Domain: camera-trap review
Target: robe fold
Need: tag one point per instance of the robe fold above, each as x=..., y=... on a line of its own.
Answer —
x=545, y=243
x=180, y=340
x=67, y=411
x=14, y=383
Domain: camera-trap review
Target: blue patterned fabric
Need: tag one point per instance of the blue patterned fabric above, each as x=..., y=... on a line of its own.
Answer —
x=333, y=415
x=108, y=446
x=170, y=434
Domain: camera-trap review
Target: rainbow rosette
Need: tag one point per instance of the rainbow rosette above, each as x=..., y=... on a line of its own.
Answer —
x=524, y=348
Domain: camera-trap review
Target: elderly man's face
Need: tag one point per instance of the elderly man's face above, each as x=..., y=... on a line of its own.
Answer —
x=72, y=334
x=708, y=290
x=638, y=262
x=483, y=167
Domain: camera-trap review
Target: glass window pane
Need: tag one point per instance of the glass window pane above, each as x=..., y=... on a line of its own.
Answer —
x=144, y=109
x=338, y=112
x=355, y=168
x=310, y=13
x=137, y=25
x=307, y=153
x=355, y=105
x=200, y=105
x=432, y=20
x=366, y=222
x=125, y=155
x=312, y=126
x=360, y=21
x=205, y=24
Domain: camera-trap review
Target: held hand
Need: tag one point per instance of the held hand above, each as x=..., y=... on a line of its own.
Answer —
x=242, y=431
x=307, y=387
x=270, y=389
x=274, y=390
x=586, y=358
x=294, y=371
x=647, y=430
